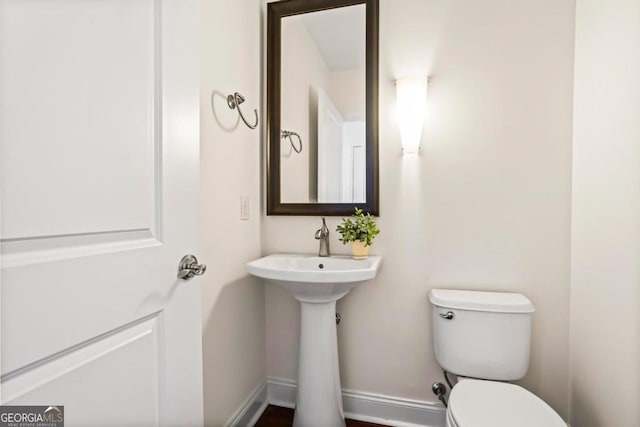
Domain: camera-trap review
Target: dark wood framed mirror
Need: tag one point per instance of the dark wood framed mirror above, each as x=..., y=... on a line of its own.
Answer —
x=322, y=107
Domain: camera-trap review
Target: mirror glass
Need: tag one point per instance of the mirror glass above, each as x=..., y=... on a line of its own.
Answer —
x=322, y=111
x=322, y=107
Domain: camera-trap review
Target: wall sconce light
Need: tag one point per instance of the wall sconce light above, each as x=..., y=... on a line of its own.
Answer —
x=411, y=100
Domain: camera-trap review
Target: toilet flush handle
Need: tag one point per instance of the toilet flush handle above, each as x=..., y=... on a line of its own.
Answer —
x=448, y=315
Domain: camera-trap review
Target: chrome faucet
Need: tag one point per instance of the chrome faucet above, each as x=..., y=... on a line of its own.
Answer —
x=323, y=235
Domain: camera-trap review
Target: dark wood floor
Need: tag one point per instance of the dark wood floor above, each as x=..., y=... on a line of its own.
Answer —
x=276, y=416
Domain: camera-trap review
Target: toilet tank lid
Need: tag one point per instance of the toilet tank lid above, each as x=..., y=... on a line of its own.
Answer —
x=500, y=302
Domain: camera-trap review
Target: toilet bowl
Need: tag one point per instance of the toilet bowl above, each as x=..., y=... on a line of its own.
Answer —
x=480, y=403
x=485, y=338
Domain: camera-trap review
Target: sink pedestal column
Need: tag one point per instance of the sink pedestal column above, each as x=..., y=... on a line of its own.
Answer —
x=319, y=400
x=317, y=283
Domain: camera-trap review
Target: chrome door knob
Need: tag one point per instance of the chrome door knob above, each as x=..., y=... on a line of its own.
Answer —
x=189, y=267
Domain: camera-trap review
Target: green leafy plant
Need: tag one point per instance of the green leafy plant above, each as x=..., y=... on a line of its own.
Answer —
x=358, y=227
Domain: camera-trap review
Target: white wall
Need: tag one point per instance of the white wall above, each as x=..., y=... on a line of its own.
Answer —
x=347, y=89
x=605, y=267
x=232, y=302
x=485, y=206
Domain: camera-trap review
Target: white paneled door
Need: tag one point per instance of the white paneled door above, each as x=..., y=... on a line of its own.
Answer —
x=99, y=182
x=330, y=148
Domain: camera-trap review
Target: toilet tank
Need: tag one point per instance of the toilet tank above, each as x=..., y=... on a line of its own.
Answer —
x=483, y=335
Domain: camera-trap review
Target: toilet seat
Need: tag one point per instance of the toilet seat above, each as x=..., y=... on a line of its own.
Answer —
x=478, y=403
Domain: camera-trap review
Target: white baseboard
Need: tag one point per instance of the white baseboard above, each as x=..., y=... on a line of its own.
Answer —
x=281, y=392
x=368, y=407
x=252, y=408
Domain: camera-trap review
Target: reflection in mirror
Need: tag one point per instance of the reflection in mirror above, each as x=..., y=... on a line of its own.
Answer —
x=323, y=101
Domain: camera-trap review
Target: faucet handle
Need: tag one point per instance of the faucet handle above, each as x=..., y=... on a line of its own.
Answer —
x=323, y=231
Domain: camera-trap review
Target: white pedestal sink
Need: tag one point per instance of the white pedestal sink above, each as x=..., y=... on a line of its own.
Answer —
x=317, y=282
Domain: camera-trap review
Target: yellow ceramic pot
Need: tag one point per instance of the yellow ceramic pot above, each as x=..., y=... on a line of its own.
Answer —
x=359, y=249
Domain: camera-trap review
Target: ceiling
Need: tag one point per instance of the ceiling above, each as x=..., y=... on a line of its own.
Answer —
x=340, y=35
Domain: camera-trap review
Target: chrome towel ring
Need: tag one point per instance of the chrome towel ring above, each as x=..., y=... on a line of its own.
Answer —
x=288, y=134
x=234, y=101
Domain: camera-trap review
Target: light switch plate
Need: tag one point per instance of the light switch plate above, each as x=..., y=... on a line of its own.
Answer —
x=244, y=208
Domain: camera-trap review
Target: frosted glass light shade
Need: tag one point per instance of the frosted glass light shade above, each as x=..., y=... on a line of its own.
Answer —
x=411, y=100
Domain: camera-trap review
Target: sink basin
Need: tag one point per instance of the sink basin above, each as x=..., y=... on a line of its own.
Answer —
x=317, y=283
x=313, y=278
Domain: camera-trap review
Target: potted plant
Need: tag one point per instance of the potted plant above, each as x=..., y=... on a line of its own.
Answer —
x=360, y=230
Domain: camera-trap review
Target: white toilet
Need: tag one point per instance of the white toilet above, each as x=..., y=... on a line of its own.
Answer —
x=484, y=338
